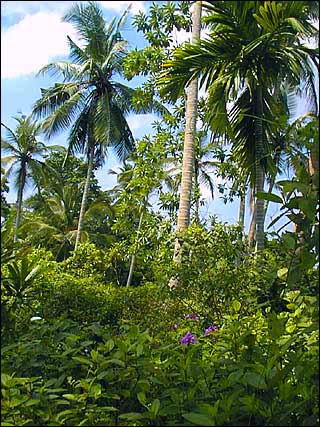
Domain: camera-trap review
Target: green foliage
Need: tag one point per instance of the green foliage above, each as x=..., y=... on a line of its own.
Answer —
x=253, y=370
x=235, y=343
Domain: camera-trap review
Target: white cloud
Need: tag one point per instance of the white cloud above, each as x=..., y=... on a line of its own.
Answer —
x=141, y=123
x=33, y=42
x=119, y=5
x=9, y=8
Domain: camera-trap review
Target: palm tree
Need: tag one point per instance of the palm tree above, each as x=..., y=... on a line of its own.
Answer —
x=252, y=46
x=202, y=169
x=23, y=146
x=189, y=138
x=54, y=223
x=89, y=99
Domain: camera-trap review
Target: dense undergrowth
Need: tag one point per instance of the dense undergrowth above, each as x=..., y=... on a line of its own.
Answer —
x=235, y=344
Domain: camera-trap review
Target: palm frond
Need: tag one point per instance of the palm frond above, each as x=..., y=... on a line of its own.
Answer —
x=65, y=114
x=69, y=71
x=121, y=138
x=53, y=98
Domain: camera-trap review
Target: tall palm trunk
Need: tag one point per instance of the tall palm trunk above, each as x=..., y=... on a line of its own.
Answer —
x=259, y=173
x=189, y=139
x=133, y=258
x=19, y=199
x=196, y=192
x=85, y=196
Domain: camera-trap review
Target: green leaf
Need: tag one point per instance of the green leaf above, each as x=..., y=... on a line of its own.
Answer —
x=62, y=415
x=102, y=374
x=236, y=305
x=142, y=397
x=32, y=402
x=6, y=380
x=117, y=362
x=269, y=196
x=73, y=397
x=289, y=186
x=132, y=416
x=255, y=380
x=234, y=377
x=199, y=419
x=282, y=273
x=82, y=360
x=139, y=349
x=309, y=208
x=109, y=345
x=155, y=406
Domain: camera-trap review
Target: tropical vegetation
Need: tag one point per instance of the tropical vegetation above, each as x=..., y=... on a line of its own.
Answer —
x=132, y=305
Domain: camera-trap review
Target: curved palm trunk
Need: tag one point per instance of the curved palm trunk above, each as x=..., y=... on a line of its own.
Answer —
x=259, y=174
x=189, y=138
x=133, y=258
x=85, y=196
x=19, y=200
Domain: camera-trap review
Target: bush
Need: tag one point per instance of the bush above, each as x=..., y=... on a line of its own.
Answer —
x=254, y=370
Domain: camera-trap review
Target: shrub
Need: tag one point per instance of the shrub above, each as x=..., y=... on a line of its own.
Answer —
x=254, y=370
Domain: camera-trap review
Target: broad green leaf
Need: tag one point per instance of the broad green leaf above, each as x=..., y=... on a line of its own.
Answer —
x=269, y=196
x=32, y=402
x=199, y=419
x=82, y=360
x=74, y=397
x=254, y=379
x=155, y=406
x=109, y=345
x=142, y=397
x=132, y=416
x=236, y=305
x=7, y=381
x=139, y=349
x=282, y=273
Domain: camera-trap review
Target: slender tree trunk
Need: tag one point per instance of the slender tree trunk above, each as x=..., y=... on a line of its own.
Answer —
x=133, y=258
x=242, y=207
x=266, y=202
x=189, y=139
x=252, y=228
x=314, y=165
x=259, y=173
x=197, y=194
x=19, y=200
x=85, y=196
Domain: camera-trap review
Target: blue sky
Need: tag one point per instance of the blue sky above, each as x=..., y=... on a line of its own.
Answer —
x=32, y=35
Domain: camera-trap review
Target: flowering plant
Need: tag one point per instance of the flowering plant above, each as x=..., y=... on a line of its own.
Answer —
x=192, y=317
x=188, y=338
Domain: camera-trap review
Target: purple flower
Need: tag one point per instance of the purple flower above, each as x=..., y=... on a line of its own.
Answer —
x=210, y=329
x=189, y=338
x=192, y=317
x=175, y=326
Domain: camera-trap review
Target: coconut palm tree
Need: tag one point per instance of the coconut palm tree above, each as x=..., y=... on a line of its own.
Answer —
x=189, y=138
x=252, y=46
x=23, y=146
x=55, y=223
x=89, y=99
